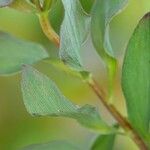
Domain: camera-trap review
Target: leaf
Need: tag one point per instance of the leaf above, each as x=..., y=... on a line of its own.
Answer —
x=102, y=13
x=15, y=52
x=23, y=5
x=61, y=66
x=104, y=142
x=87, y=5
x=4, y=3
x=54, y=145
x=42, y=98
x=73, y=33
x=136, y=77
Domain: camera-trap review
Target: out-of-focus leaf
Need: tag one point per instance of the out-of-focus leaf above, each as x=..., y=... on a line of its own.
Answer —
x=102, y=13
x=22, y=5
x=104, y=142
x=136, y=77
x=87, y=5
x=43, y=98
x=74, y=31
x=54, y=145
x=15, y=52
x=4, y=3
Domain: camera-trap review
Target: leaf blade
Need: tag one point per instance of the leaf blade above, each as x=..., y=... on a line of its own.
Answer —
x=104, y=142
x=135, y=78
x=73, y=34
x=42, y=98
x=15, y=52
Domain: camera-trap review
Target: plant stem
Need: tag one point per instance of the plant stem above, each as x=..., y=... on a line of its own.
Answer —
x=117, y=116
x=48, y=30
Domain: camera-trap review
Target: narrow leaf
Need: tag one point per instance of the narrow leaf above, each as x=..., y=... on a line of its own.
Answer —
x=43, y=98
x=104, y=142
x=15, y=52
x=4, y=3
x=74, y=31
x=136, y=77
x=54, y=145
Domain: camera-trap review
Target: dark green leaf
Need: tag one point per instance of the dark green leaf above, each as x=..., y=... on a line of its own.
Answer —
x=74, y=31
x=54, y=145
x=104, y=142
x=136, y=77
x=42, y=97
x=4, y=3
x=87, y=5
x=15, y=52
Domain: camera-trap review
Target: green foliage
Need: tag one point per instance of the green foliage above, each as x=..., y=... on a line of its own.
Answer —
x=136, y=77
x=102, y=13
x=43, y=98
x=22, y=5
x=104, y=142
x=73, y=33
x=15, y=52
x=54, y=145
x=4, y=3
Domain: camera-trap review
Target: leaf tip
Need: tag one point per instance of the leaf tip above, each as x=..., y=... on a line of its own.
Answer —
x=146, y=16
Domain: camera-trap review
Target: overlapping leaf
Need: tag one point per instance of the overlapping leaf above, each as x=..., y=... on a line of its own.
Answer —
x=104, y=142
x=74, y=30
x=43, y=98
x=15, y=52
x=136, y=77
x=102, y=14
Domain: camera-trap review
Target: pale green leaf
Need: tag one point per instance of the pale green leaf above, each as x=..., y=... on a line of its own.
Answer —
x=54, y=145
x=104, y=142
x=43, y=98
x=15, y=52
x=136, y=77
x=4, y=3
x=73, y=33
x=102, y=13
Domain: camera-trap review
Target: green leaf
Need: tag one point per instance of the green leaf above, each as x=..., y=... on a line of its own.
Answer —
x=43, y=98
x=74, y=31
x=102, y=13
x=22, y=5
x=104, y=142
x=136, y=77
x=87, y=5
x=4, y=3
x=15, y=52
x=54, y=145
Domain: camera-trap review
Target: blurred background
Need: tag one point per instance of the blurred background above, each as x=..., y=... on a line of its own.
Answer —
x=17, y=127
